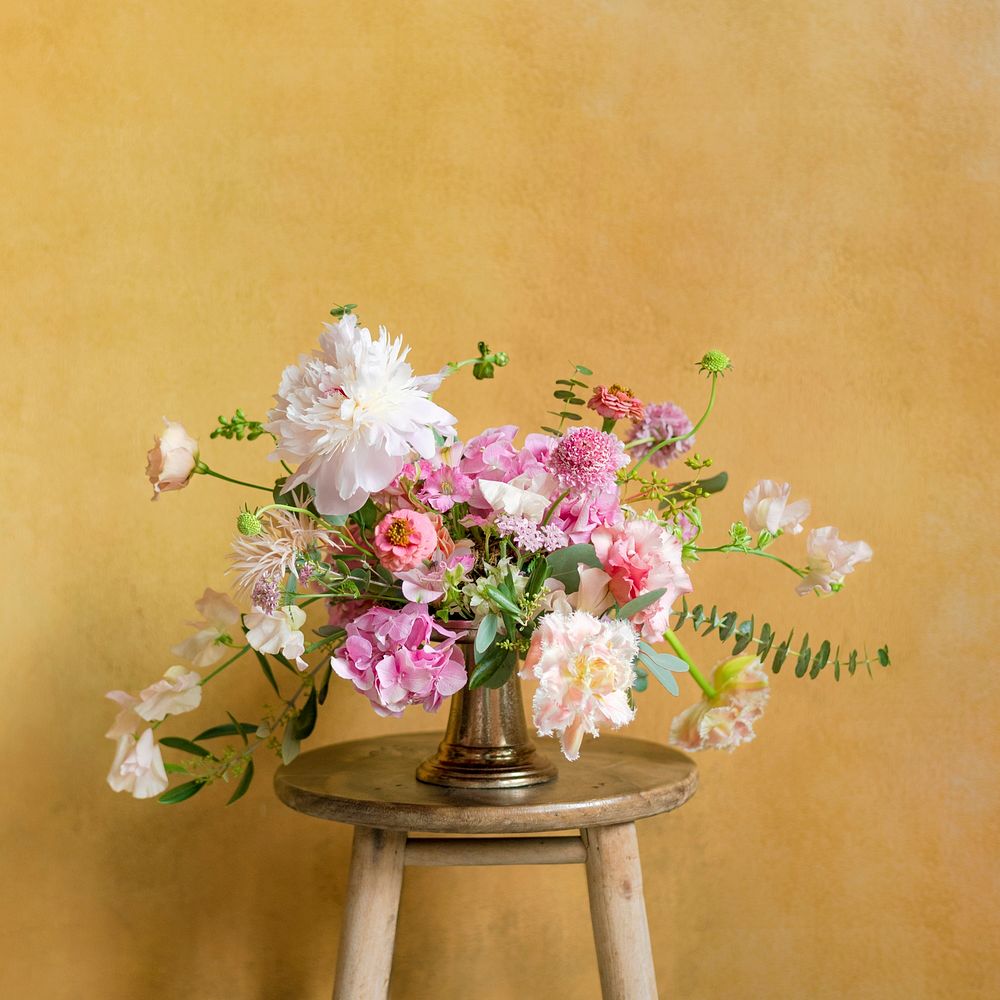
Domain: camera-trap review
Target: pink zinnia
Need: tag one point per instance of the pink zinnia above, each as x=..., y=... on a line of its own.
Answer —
x=585, y=460
x=616, y=403
x=404, y=539
x=662, y=422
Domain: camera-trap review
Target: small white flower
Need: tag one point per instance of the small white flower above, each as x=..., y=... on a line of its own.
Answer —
x=353, y=414
x=138, y=767
x=525, y=496
x=830, y=559
x=178, y=691
x=220, y=618
x=278, y=632
x=767, y=508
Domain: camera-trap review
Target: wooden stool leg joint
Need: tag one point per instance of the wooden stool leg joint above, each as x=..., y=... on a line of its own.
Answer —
x=618, y=913
x=369, y=929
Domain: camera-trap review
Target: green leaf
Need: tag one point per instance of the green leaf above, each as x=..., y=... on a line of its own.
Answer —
x=714, y=484
x=569, y=415
x=697, y=616
x=805, y=653
x=244, y=785
x=663, y=666
x=583, y=370
x=539, y=571
x=179, y=743
x=640, y=603
x=502, y=674
x=181, y=792
x=571, y=382
x=268, y=672
x=852, y=662
x=501, y=600
x=713, y=621
x=563, y=564
x=728, y=624
x=765, y=641
x=682, y=614
x=487, y=665
x=227, y=729
x=822, y=655
x=641, y=681
x=564, y=394
x=171, y=768
x=883, y=656
x=552, y=430
x=324, y=684
x=486, y=634
x=744, y=636
x=782, y=652
x=305, y=722
x=836, y=665
x=289, y=745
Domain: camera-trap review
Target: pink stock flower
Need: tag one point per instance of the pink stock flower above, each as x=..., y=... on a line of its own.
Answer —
x=171, y=461
x=404, y=538
x=389, y=656
x=585, y=460
x=661, y=422
x=727, y=720
x=767, y=508
x=640, y=557
x=830, y=560
x=616, y=403
x=584, y=668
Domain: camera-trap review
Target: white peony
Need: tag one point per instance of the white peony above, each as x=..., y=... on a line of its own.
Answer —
x=353, y=414
x=767, y=508
x=138, y=767
x=220, y=618
x=178, y=691
x=278, y=632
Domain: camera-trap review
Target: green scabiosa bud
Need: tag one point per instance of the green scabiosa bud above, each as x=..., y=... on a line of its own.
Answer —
x=715, y=363
x=248, y=523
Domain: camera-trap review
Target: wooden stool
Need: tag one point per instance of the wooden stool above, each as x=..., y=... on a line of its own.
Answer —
x=371, y=784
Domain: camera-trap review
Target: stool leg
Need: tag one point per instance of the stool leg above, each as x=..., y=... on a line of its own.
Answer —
x=369, y=928
x=618, y=913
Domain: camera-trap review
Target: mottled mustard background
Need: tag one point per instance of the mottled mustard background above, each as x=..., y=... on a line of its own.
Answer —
x=811, y=186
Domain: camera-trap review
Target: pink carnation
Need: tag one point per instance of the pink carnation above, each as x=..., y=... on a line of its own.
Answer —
x=579, y=516
x=404, y=538
x=585, y=460
x=616, y=403
x=640, y=557
x=400, y=657
x=662, y=422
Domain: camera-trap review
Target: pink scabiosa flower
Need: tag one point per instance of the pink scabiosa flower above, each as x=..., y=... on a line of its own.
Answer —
x=400, y=657
x=404, y=538
x=726, y=720
x=353, y=414
x=220, y=619
x=767, y=508
x=616, y=403
x=138, y=767
x=171, y=461
x=641, y=556
x=584, y=667
x=270, y=555
x=585, y=461
x=445, y=487
x=830, y=560
x=661, y=422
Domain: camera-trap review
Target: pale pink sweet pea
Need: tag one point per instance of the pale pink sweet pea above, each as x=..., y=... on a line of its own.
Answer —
x=405, y=538
x=584, y=667
x=220, y=619
x=830, y=560
x=278, y=631
x=444, y=487
x=171, y=461
x=126, y=721
x=526, y=495
x=641, y=556
x=767, y=508
x=176, y=692
x=727, y=720
x=138, y=767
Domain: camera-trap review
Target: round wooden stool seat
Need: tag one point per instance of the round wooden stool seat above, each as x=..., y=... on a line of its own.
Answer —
x=372, y=785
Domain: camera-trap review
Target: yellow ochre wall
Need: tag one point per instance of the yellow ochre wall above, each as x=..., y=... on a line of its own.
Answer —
x=811, y=186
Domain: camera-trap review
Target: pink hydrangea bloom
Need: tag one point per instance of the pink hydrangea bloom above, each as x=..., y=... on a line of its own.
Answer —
x=616, y=403
x=400, y=657
x=404, y=538
x=830, y=560
x=662, y=422
x=585, y=460
x=584, y=666
x=339, y=613
x=727, y=720
x=642, y=556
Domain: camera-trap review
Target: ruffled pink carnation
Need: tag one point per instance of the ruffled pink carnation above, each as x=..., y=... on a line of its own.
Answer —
x=585, y=460
x=579, y=516
x=398, y=658
x=640, y=557
x=662, y=422
x=404, y=538
x=616, y=403
x=727, y=720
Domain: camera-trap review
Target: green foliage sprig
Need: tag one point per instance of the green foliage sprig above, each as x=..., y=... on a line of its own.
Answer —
x=567, y=395
x=239, y=427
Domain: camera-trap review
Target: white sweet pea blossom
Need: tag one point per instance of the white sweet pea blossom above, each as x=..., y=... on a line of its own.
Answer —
x=527, y=495
x=353, y=414
x=178, y=691
x=830, y=559
x=278, y=632
x=138, y=767
x=767, y=508
x=221, y=618
x=127, y=721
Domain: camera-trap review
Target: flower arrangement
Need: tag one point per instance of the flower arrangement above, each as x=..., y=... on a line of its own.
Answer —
x=565, y=555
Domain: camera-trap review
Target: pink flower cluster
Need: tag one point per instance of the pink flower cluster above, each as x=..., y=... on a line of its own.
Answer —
x=585, y=460
x=662, y=422
x=400, y=657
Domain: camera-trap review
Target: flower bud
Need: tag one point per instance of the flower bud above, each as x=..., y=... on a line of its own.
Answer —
x=715, y=363
x=248, y=523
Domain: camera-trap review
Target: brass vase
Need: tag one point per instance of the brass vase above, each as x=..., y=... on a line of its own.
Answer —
x=486, y=743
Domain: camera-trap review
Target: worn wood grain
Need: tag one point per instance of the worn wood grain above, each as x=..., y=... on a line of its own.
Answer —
x=449, y=852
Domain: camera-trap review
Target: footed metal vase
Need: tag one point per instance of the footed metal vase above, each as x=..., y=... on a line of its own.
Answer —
x=486, y=743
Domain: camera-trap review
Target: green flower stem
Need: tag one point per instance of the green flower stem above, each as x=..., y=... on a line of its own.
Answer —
x=752, y=552
x=696, y=675
x=202, y=469
x=683, y=437
x=219, y=669
x=555, y=506
x=608, y=424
